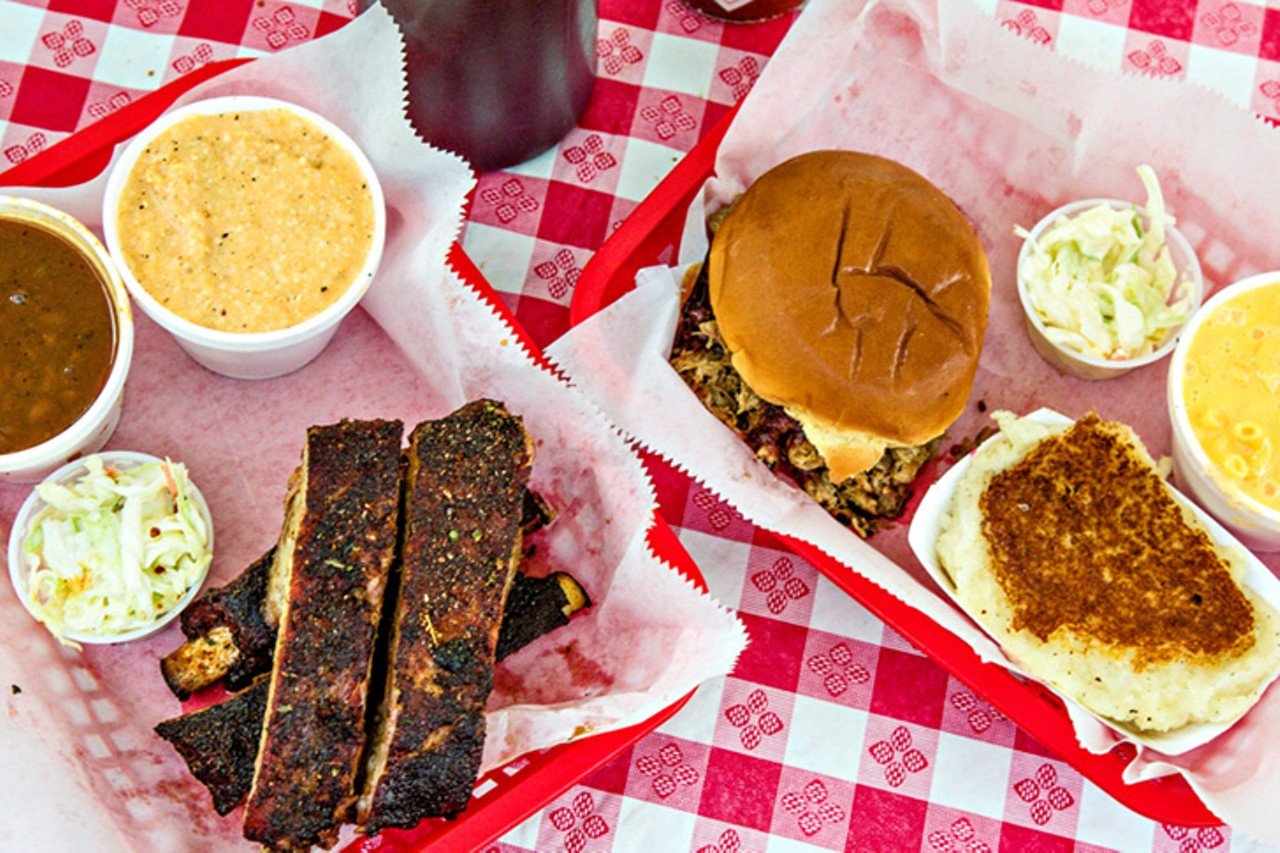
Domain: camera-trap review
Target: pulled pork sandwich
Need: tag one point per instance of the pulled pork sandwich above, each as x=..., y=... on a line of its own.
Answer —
x=836, y=326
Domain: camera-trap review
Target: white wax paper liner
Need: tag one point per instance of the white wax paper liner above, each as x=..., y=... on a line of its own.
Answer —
x=1010, y=131
x=83, y=769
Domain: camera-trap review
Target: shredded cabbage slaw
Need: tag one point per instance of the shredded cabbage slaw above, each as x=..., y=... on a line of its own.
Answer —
x=115, y=550
x=1102, y=283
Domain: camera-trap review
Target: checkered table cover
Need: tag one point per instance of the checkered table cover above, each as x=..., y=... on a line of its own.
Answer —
x=832, y=733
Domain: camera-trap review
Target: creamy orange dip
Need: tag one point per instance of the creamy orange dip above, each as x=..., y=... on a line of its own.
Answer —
x=245, y=221
x=1231, y=385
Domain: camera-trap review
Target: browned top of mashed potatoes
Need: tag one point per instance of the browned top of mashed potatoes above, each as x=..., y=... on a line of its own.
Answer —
x=246, y=221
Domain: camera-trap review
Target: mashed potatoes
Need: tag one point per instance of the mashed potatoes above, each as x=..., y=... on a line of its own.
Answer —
x=1064, y=602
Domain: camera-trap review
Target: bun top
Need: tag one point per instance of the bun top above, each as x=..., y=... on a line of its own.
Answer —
x=852, y=292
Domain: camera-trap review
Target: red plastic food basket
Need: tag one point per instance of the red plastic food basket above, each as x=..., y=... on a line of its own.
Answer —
x=651, y=235
x=506, y=796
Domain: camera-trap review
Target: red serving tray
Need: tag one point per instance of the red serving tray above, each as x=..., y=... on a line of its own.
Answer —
x=506, y=796
x=651, y=235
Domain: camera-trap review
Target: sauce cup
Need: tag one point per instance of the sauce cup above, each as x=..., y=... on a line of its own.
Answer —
x=1079, y=364
x=19, y=571
x=1253, y=523
x=247, y=355
x=92, y=429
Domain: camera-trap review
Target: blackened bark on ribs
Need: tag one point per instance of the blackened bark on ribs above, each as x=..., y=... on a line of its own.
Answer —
x=228, y=638
x=537, y=606
x=335, y=573
x=219, y=744
x=461, y=541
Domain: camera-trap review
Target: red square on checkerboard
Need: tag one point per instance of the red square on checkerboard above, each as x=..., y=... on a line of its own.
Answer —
x=612, y=106
x=224, y=21
x=753, y=720
x=967, y=713
x=668, y=118
x=812, y=807
x=544, y=321
x=612, y=775
x=909, y=687
x=579, y=818
x=740, y=789
x=629, y=12
x=328, y=22
x=1162, y=18
x=99, y=10
x=885, y=821
x=669, y=771
x=49, y=100
x=780, y=586
x=1269, y=47
x=583, y=218
x=898, y=757
x=1043, y=795
x=1024, y=742
x=1014, y=837
x=762, y=38
x=772, y=657
x=1229, y=25
x=838, y=669
x=947, y=830
x=673, y=487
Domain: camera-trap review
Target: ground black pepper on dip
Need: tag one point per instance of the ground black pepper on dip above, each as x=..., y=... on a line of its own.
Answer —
x=57, y=335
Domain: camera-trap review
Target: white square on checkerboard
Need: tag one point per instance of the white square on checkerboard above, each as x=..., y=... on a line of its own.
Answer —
x=782, y=844
x=244, y=51
x=644, y=164
x=1230, y=73
x=1095, y=43
x=650, y=827
x=680, y=64
x=835, y=612
x=537, y=167
x=133, y=59
x=696, y=721
x=1106, y=823
x=723, y=562
x=987, y=7
x=507, y=255
x=526, y=834
x=19, y=28
x=826, y=738
x=970, y=775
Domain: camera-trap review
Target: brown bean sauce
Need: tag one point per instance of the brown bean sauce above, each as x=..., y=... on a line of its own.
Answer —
x=57, y=335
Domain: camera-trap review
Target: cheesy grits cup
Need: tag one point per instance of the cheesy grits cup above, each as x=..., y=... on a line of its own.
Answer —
x=1075, y=363
x=248, y=354
x=96, y=424
x=1253, y=522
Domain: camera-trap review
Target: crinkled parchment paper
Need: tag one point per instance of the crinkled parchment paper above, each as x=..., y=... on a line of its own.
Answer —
x=1010, y=131
x=82, y=769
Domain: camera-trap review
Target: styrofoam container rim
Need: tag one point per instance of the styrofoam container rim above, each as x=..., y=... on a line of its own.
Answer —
x=33, y=504
x=1189, y=274
x=247, y=342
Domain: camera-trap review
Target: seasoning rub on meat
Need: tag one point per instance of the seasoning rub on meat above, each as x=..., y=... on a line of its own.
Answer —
x=464, y=490
x=329, y=579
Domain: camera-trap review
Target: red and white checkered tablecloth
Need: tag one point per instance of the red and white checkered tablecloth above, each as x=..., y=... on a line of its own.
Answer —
x=832, y=733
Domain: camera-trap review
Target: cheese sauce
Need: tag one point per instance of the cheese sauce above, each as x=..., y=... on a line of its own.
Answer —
x=1231, y=385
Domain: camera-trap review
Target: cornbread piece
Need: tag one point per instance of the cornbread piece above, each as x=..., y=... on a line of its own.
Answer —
x=861, y=502
x=464, y=491
x=219, y=743
x=333, y=563
x=1068, y=547
x=227, y=635
x=537, y=606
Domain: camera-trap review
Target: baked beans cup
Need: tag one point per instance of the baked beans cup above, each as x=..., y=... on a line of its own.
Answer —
x=246, y=355
x=1253, y=522
x=92, y=428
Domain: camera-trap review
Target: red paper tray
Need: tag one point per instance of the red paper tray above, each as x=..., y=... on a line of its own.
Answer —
x=509, y=794
x=651, y=235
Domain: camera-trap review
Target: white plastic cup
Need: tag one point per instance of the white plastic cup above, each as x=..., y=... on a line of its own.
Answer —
x=18, y=570
x=249, y=355
x=1253, y=523
x=92, y=429
x=1084, y=366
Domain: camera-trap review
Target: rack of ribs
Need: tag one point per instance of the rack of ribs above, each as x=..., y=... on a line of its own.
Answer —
x=219, y=743
x=328, y=582
x=461, y=541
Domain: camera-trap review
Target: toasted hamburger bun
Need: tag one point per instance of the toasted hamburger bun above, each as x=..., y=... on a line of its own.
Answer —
x=1140, y=637
x=853, y=293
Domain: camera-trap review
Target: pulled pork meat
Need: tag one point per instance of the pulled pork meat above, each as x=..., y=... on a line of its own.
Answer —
x=861, y=502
